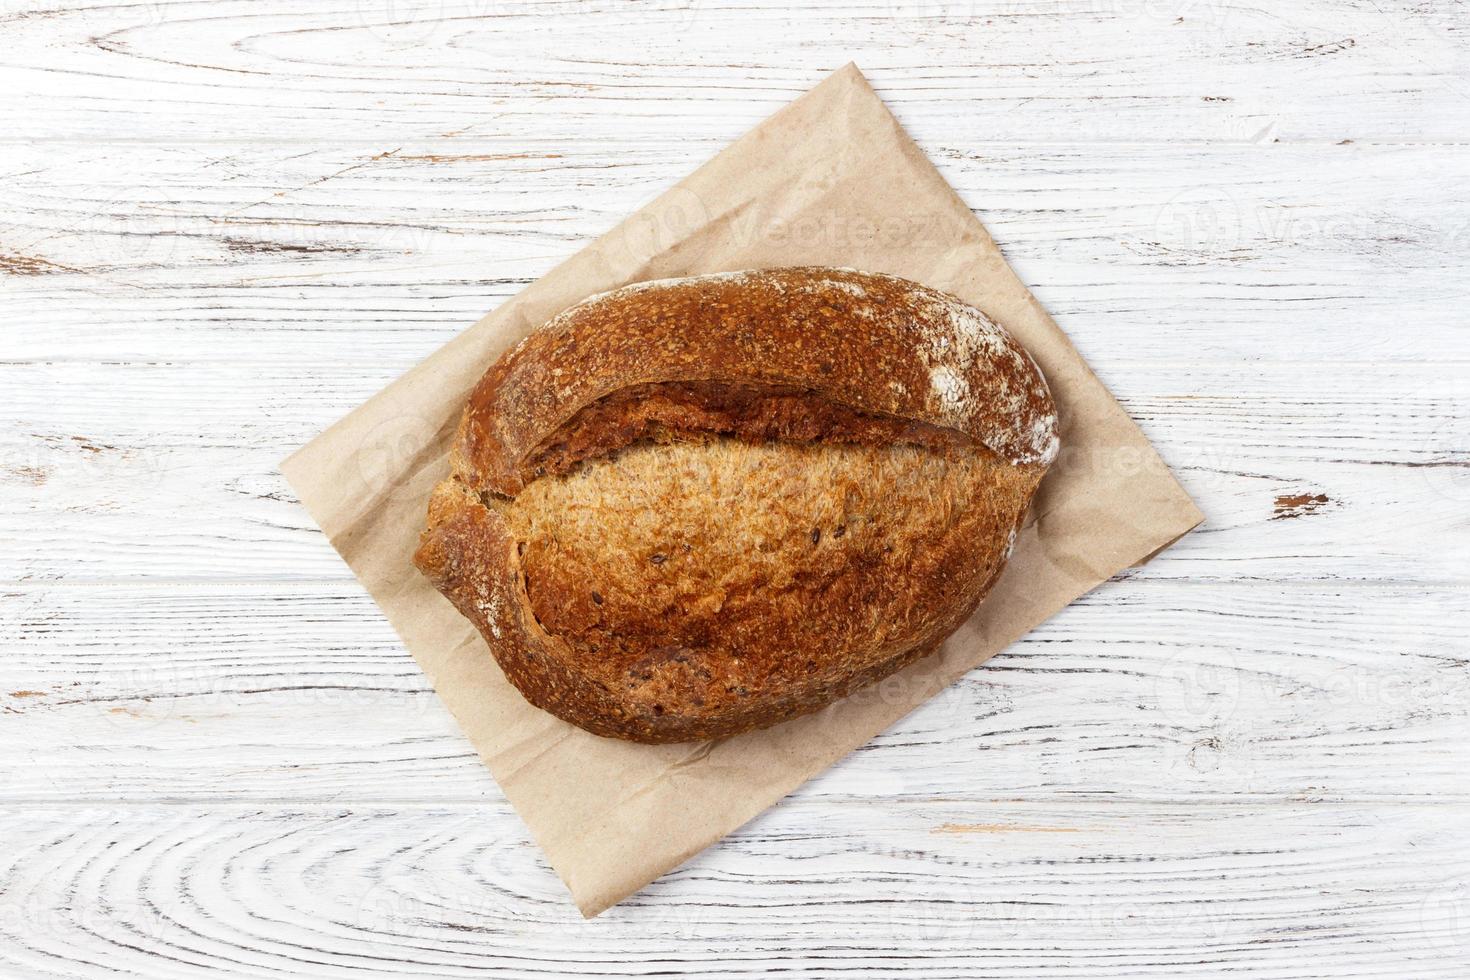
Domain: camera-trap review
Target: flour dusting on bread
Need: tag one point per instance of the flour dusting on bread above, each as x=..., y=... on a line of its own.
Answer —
x=687, y=508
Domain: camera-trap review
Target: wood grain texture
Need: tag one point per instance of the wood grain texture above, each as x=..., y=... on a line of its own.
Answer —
x=1013, y=70
x=936, y=888
x=226, y=223
x=1150, y=690
x=372, y=256
x=136, y=453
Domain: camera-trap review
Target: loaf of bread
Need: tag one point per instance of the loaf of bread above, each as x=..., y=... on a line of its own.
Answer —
x=693, y=507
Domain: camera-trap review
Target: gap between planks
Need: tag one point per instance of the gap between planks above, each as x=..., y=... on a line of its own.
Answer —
x=714, y=143
x=292, y=586
x=499, y=803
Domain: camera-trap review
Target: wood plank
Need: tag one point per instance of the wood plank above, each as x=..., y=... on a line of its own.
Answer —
x=227, y=223
x=1027, y=71
x=280, y=255
x=1140, y=690
x=933, y=889
x=169, y=470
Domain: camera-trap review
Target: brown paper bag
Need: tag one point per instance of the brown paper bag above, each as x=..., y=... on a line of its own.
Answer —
x=830, y=180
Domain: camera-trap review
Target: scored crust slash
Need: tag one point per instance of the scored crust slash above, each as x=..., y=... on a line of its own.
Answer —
x=693, y=507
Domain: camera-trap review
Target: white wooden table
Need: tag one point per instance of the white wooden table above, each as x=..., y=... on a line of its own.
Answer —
x=223, y=224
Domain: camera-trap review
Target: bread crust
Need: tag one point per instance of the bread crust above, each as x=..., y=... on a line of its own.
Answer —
x=674, y=692
x=897, y=434
x=873, y=344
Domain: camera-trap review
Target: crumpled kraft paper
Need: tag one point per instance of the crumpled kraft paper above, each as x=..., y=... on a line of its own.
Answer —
x=831, y=179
